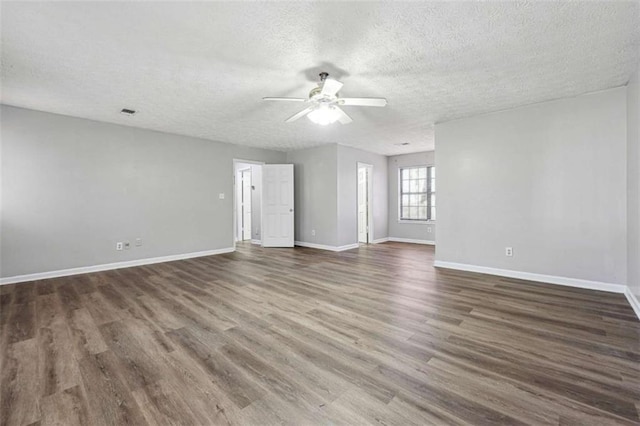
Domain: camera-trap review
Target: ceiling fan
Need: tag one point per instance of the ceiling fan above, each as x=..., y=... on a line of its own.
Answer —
x=325, y=103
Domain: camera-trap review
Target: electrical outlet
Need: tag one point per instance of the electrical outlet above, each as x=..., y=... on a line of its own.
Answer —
x=508, y=251
x=138, y=242
x=428, y=229
x=119, y=246
x=221, y=195
x=313, y=232
x=127, y=245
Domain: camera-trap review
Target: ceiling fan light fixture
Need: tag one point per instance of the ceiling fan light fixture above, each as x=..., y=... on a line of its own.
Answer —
x=324, y=114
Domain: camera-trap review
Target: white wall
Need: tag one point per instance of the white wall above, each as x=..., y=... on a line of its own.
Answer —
x=348, y=159
x=414, y=231
x=633, y=184
x=316, y=206
x=72, y=188
x=548, y=180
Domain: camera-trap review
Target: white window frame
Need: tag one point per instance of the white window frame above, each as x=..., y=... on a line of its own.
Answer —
x=428, y=193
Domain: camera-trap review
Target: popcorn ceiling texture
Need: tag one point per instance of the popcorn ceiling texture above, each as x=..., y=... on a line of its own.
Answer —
x=201, y=69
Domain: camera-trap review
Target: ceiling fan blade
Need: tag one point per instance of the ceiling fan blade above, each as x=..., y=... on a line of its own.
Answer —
x=285, y=99
x=343, y=118
x=375, y=102
x=330, y=87
x=299, y=115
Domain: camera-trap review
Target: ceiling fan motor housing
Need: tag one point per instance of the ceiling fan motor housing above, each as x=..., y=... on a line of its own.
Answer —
x=316, y=91
x=313, y=94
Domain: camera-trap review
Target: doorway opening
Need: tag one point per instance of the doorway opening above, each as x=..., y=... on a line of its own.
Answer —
x=365, y=203
x=247, y=198
x=244, y=206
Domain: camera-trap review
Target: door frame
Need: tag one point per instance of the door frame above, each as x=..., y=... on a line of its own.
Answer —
x=234, y=213
x=370, y=196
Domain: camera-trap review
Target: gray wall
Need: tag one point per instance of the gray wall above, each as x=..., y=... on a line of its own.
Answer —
x=326, y=194
x=409, y=230
x=72, y=188
x=548, y=180
x=348, y=159
x=633, y=181
x=315, y=174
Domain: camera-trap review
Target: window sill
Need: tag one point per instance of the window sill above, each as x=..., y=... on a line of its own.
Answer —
x=418, y=222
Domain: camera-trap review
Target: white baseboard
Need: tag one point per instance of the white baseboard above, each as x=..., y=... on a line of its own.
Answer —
x=411, y=240
x=109, y=266
x=259, y=242
x=325, y=247
x=380, y=240
x=551, y=279
x=633, y=301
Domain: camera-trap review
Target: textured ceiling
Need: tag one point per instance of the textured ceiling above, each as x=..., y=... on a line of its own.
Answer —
x=201, y=69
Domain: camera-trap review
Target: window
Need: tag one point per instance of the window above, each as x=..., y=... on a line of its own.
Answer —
x=418, y=193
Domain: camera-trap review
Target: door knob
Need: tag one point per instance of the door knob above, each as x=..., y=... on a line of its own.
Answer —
x=291, y=210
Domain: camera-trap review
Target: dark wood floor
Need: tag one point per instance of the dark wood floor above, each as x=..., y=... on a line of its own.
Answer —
x=299, y=336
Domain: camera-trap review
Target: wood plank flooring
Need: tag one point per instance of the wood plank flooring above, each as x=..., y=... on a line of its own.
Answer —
x=299, y=336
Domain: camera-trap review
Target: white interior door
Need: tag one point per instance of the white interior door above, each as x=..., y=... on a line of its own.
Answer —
x=277, y=205
x=246, y=204
x=363, y=222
